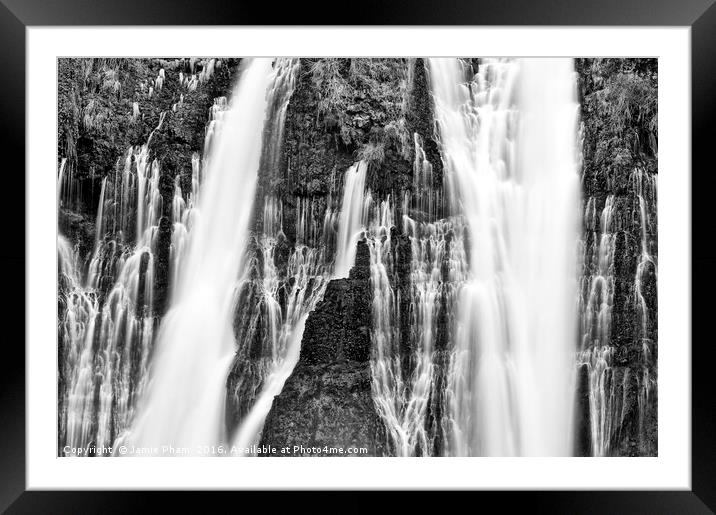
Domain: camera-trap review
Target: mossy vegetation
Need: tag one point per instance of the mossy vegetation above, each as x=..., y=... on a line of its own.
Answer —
x=619, y=109
x=356, y=94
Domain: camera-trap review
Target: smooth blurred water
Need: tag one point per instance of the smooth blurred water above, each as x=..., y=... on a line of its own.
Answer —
x=508, y=141
x=351, y=219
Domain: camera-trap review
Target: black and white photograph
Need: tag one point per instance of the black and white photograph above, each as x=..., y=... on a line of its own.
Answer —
x=357, y=257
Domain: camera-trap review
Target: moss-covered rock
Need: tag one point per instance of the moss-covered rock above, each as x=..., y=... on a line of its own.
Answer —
x=620, y=137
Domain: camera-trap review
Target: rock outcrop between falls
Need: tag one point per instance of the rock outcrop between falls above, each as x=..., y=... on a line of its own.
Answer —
x=327, y=403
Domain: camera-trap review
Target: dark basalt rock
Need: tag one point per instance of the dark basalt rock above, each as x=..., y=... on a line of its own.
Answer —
x=583, y=441
x=326, y=405
x=339, y=328
x=623, y=315
x=244, y=380
x=161, y=266
x=421, y=120
x=77, y=229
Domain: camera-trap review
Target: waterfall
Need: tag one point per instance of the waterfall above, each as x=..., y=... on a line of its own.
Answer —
x=596, y=351
x=76, y=331
x=288, y=301
x=184, y=402
x=387, y=381
x=608, y=384
x=107, y=325
x=645, y=188
x=274, y=301
x=61, y=181
x=351, y=219
x=284, y=81
x=69, y=188
x=185, y=211
x=407, y=385
x=426, y=199
x=508, y=141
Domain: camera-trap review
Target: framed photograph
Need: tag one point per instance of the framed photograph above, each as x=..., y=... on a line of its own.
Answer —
x=443, y=255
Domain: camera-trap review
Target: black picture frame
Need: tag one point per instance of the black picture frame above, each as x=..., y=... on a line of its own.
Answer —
x=17, y=15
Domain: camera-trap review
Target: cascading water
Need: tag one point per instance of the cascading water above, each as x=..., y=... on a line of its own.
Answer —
x=608, y=384
x=105, y=349
x=61, y=182
x=508, y=142
x=387, y=381
x=288, y=300
x=645, y=188
x=183, y=405
x=406, y=388
x=273, y=302
x=76, y=332
x=596, y=350
x=305, y=280
x=351, y=219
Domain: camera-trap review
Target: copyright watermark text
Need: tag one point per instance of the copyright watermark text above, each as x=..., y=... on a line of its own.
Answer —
x=214, y=450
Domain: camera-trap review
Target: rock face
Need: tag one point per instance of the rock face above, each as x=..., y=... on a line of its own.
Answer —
x=343, y=110
x=339, y=328
x=327, y=400
x=619, y=114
